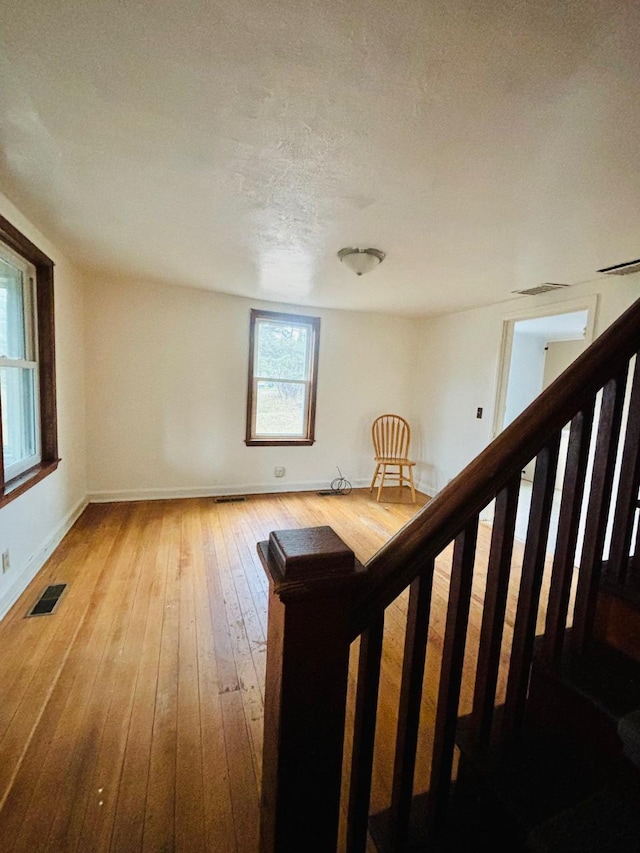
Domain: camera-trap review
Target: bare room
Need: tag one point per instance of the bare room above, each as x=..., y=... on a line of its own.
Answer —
x=320, y=419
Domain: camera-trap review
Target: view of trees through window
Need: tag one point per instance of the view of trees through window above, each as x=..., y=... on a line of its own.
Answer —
x=282, y=354
x=282, y=377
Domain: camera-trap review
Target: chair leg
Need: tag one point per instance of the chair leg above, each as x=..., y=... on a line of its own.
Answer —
x=384, y=474
x=373, y=482
x=413, y=488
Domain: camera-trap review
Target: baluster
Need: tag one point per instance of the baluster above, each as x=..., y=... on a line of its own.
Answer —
x=567, y=538
x=364, y=730
x=598, y=509
x=533, y=561
x=495, y=601
x=634, y=562
x=451, y=674
x=628, y=485
x=413, y=663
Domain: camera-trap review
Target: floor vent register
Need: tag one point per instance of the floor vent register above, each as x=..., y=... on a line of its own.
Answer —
x=48, y=601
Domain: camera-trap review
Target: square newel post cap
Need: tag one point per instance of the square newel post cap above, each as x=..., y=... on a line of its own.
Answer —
x=309, y=559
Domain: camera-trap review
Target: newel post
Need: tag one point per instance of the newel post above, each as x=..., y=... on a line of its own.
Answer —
x=313, y=576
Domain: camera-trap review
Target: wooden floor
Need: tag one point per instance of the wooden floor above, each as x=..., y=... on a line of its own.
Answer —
x=131, y=718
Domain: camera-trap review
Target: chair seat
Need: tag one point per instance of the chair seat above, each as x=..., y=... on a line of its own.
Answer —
x=390, y=460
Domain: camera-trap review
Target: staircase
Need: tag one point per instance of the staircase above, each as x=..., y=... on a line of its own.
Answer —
x=546, y=758
x=569, y=783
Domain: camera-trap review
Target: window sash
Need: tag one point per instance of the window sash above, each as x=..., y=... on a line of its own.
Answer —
x=308, y=383
x=264, y=324
x=25, y=426
x=19, y=363
x=275, y=436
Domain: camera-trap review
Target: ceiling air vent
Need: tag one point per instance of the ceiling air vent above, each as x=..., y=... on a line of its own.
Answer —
x=540, y=288
x=622, y=269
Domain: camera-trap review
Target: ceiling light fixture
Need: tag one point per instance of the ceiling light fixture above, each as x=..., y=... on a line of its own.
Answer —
x=361, y=261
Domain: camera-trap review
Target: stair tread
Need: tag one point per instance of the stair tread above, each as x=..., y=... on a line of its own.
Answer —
x=526, y=784
x=606, y=676
x=533, y=777
x=541, y=774
x=628, y=591
x=606, y=822
x=510, y=790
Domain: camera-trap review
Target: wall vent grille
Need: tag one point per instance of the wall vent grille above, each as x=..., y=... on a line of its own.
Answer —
x=622, y=269
x=230, y=499
x=540, y=288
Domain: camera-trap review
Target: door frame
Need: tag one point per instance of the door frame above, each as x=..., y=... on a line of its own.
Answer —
x=586, y=303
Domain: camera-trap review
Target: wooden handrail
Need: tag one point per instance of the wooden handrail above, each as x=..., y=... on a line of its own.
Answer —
x=408, y=553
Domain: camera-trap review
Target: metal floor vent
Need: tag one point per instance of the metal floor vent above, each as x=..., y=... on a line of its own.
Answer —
x=230, y=499
x=48, y=601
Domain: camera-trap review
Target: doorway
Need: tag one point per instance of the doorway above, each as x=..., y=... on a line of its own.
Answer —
x=543, y=347
x=562, y=332
x=537, y=346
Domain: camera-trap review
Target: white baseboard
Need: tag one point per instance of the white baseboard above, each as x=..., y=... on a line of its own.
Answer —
x=212, y=491
x=37, y=560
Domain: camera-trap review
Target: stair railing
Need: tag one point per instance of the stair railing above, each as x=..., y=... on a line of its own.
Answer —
x=322, y=600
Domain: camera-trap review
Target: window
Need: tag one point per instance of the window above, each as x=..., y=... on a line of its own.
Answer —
x=283, y=365
x=27, y=372
x=18, y=365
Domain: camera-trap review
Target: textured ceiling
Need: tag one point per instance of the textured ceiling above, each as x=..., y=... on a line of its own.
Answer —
x=236, y=146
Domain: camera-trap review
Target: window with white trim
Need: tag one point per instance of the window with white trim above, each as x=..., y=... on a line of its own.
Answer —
x=283, y=369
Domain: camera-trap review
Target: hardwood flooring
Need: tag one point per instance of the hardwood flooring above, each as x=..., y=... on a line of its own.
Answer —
x=131, y=718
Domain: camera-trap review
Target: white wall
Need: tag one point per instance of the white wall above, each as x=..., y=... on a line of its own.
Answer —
x=526, y=372
x=454, y=375
x=167, y=373
x=35, y=522
x=559, y=355
x=457, y=372
x=535, y=362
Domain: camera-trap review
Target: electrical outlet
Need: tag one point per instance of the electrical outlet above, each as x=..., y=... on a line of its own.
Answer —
x=6, y=562
x=278, y=471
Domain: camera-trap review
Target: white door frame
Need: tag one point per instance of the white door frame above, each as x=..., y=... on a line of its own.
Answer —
x=587, y=303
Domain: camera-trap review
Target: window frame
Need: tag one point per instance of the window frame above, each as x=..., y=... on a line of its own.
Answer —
x=251, y=440
x=44, y=342
x=30, y=359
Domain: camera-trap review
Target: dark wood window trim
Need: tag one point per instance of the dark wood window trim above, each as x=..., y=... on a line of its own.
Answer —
x=45, y=322
x=314, y=322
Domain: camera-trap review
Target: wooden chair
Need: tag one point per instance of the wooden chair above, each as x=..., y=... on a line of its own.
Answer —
x=391, y=438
